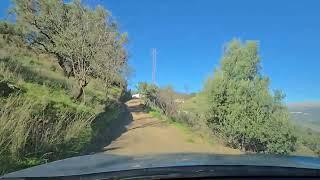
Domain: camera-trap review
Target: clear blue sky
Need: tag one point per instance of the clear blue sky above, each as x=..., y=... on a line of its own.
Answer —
x=189, y=35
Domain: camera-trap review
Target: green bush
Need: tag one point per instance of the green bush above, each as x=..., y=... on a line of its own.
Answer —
x=309, y=138
x=240, y=108
x=126, y=96
x=159, y=98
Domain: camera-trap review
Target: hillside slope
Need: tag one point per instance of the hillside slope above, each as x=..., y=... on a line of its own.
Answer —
x=40, y=121
x=306, y=114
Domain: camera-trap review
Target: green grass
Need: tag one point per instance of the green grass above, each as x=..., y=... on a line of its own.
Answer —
x=179, y=125
x=155, y=113
x=59, y=97
x=190, y=140
x=200, y=132
x=30, y=128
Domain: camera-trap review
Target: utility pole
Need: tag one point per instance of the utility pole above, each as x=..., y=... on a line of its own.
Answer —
x=154, y=65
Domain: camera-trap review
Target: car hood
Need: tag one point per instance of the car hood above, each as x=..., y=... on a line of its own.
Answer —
x=102, y=163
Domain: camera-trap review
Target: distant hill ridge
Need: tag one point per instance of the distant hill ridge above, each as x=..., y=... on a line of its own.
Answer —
x=306, y=114
x=304, y=104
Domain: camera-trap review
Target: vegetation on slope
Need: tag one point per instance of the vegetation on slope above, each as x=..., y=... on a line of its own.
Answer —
x=42, y=116
x=306, y=114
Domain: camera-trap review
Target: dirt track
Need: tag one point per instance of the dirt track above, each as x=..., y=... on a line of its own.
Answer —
x=148, y=135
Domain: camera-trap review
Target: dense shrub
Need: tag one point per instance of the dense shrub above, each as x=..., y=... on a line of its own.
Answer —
x=160, y=98
x=309, y=138
x=240, y=108
x=125, y=95
x=149, y=93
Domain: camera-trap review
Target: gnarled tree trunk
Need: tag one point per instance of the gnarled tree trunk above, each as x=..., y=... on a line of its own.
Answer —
x=83, y=84
x=81, y=91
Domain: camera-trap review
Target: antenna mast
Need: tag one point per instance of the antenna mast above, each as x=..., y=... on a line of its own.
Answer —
x=154, y=65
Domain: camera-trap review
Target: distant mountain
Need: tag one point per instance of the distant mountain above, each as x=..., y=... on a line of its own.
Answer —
x=306, y=114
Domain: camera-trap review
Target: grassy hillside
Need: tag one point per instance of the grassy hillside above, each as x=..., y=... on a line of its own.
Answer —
x=306, y=117
x=39, y=119
x=62, y=77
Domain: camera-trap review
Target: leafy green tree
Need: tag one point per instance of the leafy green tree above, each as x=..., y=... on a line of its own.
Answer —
x=240, y=108
x=85, y=42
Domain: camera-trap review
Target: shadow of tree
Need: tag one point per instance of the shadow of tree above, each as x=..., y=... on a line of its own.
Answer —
x=107, y=130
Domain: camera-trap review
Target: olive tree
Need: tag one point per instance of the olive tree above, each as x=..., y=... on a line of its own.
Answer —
x=85, y=42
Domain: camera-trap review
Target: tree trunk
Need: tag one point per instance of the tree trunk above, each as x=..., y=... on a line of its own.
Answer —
x=63, y=67
x=80, y=94
x=61, y=62
x=83, y=84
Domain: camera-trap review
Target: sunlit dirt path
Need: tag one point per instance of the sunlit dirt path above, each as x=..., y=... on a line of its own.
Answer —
x=148, y=135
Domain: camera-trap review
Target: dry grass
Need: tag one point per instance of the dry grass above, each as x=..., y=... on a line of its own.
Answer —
x=15, y=115
x=29, y=136
x=9, y=73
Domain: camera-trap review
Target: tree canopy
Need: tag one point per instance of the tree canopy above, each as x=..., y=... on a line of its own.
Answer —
x=86, y=42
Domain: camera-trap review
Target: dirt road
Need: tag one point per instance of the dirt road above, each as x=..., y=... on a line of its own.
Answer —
x=148, y=135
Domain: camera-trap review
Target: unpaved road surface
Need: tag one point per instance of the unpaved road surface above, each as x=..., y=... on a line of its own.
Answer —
x=148, y=135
